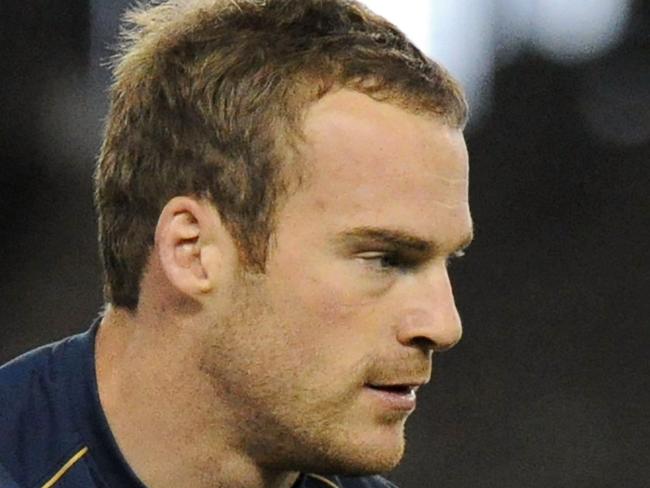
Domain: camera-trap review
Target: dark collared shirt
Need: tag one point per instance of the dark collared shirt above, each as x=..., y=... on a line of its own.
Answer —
x=53, y=432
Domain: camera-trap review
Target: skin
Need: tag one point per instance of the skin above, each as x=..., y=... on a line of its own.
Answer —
x=270, y=372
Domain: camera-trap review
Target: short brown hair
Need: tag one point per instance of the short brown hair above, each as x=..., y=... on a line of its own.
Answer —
x=207, y=100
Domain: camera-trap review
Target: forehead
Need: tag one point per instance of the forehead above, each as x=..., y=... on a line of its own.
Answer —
x=371, y=163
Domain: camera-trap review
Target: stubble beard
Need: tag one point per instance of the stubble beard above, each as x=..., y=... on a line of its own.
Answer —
x=284, y=425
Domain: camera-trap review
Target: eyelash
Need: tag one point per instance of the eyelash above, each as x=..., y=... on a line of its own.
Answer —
x=388, y=261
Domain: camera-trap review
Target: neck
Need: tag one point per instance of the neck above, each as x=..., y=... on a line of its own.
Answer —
x=146, y=375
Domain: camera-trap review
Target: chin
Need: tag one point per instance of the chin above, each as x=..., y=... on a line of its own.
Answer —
x=359, y=455
x=361, y=464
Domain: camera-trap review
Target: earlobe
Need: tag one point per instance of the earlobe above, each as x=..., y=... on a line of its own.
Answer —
x=182, y=240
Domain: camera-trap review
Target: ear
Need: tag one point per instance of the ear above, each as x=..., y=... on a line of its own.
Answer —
x=186, y=242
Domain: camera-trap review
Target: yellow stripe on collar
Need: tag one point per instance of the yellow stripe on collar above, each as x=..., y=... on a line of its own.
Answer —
x=65, y=468
x=322, y=479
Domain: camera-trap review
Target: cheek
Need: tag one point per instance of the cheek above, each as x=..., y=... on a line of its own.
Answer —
x=324, y=316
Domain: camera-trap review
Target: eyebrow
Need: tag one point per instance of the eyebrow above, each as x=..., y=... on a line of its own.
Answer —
x=398, y=239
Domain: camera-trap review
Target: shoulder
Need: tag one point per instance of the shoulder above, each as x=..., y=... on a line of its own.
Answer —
x=27, y=385
x=33, y=413
x=6, y=481
x=30, y=382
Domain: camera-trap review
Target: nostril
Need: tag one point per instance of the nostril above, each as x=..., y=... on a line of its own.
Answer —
x=423, y=343
x=430, y=331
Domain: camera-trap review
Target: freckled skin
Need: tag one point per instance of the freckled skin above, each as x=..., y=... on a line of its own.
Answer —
x=289, y=354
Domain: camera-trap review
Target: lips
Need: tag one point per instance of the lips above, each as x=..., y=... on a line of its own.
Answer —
x=397, y=396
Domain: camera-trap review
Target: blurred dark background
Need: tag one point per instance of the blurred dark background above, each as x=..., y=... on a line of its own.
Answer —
x=549, y=387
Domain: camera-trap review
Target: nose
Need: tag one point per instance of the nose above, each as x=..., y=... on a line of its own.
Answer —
x=430, y=318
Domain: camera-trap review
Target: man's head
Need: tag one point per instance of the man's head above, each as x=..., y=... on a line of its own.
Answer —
x=293, y=175
x=355, y=296
x=209, y=99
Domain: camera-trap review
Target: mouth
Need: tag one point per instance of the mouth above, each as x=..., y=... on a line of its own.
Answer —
x=394, y=396
x=401, y=389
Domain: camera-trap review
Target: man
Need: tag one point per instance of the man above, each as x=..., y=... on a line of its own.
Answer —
x=279, y=190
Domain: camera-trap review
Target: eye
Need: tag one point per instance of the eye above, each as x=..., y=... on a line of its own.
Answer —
x=386, y=261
